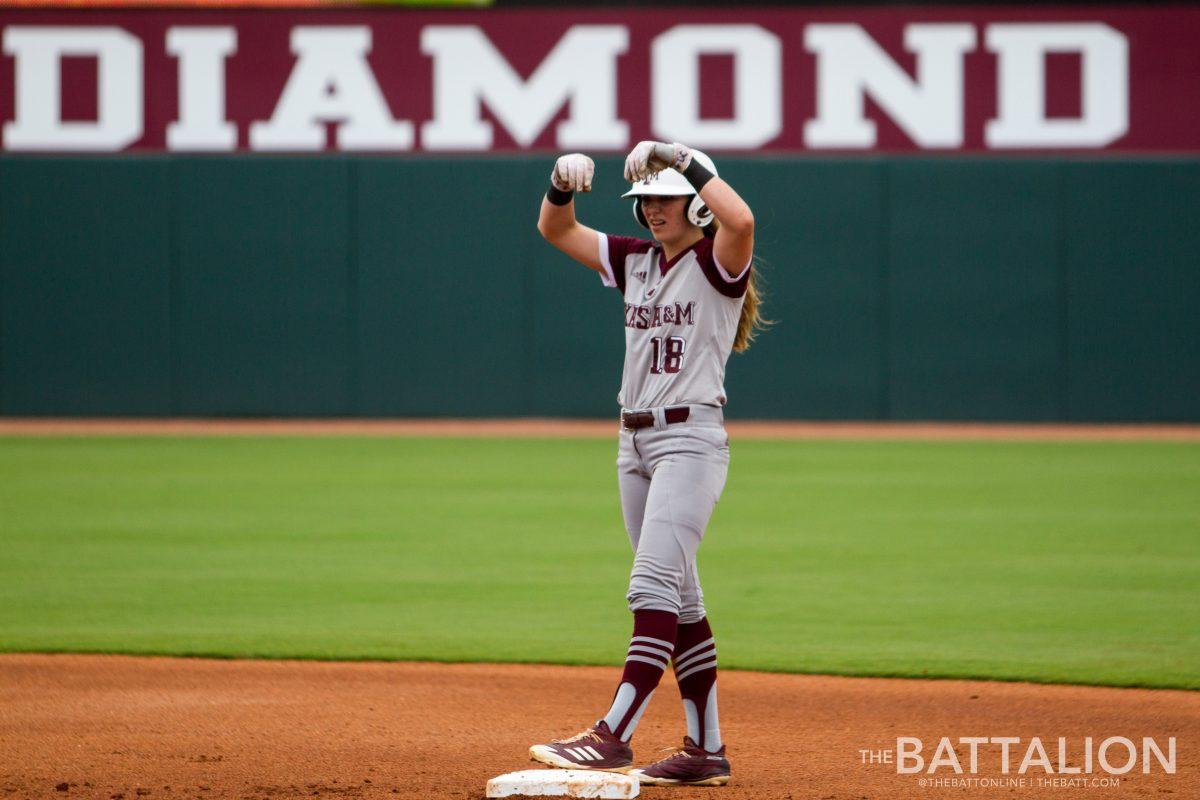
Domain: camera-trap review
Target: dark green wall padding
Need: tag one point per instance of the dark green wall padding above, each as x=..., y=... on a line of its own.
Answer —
x=902, y=288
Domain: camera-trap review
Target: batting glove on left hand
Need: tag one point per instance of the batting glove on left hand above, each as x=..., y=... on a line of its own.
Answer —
x=573, y=173
x=649, y=157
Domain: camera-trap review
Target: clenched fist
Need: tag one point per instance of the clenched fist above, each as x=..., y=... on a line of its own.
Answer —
x=573, y=173
x=649, y=157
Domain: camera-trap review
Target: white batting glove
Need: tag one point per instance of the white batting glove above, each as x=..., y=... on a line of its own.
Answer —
x=573, y=173
x=649, y=157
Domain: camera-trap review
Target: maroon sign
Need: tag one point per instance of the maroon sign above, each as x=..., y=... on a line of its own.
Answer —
x=941, y=79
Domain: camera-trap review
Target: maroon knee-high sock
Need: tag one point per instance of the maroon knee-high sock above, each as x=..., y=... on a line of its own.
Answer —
x=649, y=651
x=696, y=671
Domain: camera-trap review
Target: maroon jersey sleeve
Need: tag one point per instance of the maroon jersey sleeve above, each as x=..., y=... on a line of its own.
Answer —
x=613, y=251
x=716, y=273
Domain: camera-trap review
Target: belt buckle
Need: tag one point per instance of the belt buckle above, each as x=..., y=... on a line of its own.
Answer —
x=636, y=420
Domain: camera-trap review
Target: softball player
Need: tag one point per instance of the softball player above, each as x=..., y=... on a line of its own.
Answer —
x=689, y=298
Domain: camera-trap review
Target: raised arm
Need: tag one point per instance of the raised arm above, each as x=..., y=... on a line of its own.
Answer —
x=557, y=222
x=733, y=246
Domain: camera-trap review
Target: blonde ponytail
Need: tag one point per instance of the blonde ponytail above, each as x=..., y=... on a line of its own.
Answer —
x=751, y=321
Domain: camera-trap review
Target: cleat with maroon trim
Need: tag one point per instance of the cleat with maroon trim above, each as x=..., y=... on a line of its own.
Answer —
x=596, y=748
x=691, y=766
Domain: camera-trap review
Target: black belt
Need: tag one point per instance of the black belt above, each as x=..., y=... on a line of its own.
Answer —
x=635, y=420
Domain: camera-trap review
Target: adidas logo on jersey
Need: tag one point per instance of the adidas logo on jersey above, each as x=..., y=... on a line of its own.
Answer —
x=641, y=276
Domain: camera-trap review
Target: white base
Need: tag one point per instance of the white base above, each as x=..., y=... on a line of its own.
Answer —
x=563, y=783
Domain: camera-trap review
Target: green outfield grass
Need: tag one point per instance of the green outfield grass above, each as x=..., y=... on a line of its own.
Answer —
x=1071, y=562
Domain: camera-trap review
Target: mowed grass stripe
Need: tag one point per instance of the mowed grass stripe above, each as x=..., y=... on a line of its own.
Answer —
x=1062, y=562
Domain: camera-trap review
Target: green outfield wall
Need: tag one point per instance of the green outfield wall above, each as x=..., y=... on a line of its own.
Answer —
x=903, y=288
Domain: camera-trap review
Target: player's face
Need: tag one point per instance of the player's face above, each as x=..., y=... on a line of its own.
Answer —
x=666, y=217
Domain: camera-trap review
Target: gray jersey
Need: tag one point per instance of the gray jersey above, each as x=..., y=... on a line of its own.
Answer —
x=681, y=317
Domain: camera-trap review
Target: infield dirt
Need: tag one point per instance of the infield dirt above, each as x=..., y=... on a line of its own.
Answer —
x=124, y=728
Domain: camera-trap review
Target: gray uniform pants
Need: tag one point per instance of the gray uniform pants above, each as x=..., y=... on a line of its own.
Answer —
x=671, y=477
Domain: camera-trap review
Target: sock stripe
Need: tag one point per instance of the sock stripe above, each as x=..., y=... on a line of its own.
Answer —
x=681, y=656
x=668, y=646
x=654, y=651
x=684, y=663
x=696, y=668
x=646, y=660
